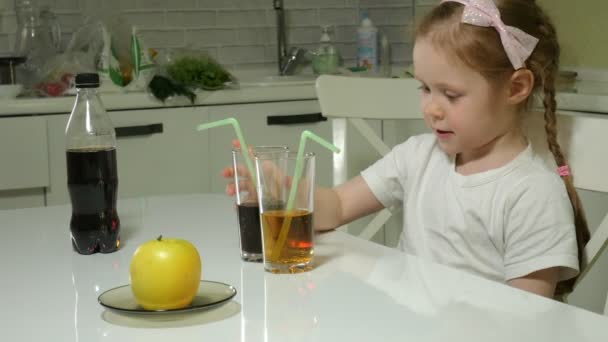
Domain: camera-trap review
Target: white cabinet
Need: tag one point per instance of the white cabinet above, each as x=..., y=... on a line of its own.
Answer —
x=180, y=159
x=162, y=153
x=24, y=166
x=21, y=198
x=253, y=121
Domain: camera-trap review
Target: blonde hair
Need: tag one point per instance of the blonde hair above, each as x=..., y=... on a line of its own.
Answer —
x=481, y=49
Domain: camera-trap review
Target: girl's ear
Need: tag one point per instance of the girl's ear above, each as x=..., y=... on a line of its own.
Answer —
x=521, y=84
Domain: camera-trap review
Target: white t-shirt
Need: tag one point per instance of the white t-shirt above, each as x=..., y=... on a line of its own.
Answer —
x=500, y=224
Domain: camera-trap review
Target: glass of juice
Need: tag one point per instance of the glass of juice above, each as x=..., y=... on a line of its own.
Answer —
x=248, y=209
x=287, y=233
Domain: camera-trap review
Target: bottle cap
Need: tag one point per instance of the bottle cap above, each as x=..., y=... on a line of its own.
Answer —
x=87, y=80
x=365, y=20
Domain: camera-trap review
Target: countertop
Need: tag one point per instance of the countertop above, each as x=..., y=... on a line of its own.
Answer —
x=260, y=85
x=588, y=94
x=358, y=290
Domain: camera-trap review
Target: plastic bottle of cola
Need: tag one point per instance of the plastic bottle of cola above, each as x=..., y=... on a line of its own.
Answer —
x=92, y=172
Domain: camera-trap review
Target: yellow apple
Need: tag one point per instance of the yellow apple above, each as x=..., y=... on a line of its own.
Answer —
x=165, y=274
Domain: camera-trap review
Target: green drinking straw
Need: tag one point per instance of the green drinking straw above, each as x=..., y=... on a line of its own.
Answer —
x=294, y=184
x=239, y=135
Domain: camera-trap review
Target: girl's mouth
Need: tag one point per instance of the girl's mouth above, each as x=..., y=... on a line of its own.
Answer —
x=443, y=134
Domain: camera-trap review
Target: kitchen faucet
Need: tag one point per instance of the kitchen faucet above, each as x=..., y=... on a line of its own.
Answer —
x=287, y=61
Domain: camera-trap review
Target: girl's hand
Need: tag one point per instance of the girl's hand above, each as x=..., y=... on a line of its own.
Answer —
x=275, y=183
x=228, y=174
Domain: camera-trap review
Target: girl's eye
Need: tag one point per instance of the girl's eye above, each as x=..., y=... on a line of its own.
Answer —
x=424, y=89
x=451, y=95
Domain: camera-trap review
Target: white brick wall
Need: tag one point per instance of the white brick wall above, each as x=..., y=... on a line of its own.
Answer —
x=237, y=32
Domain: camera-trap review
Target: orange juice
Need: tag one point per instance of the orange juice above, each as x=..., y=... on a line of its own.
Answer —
x=297, y=251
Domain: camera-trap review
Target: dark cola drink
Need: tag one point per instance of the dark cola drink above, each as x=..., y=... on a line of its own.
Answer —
x=93, y=185
x=250, y=231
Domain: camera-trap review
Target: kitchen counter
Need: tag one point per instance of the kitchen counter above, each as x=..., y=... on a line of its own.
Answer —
x=590, y=94
x=587, y=96
x=255, y=86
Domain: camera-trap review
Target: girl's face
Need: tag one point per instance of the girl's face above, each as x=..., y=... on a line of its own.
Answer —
x=468, y=115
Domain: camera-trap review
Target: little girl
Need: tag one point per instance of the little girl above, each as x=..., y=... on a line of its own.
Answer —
x=475, y=195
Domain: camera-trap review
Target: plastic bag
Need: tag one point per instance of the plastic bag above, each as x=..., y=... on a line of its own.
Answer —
x=91, y=49
x=144, y=68
x=108, y=66
x=56, y=76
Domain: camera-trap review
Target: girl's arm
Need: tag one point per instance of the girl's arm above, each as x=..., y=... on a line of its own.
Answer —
x=541, y=282
x=343, y=204
x=333, y=207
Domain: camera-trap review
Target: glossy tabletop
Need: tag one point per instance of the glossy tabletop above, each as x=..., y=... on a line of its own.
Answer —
x=358, y=291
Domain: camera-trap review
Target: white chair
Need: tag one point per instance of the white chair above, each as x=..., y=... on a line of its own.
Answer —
x=583, y=141
x=582, y=137
x=352, y=100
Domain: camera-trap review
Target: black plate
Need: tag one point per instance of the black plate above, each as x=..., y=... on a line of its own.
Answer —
x=210, y=294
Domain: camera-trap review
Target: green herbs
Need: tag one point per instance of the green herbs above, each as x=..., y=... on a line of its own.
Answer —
x=182, y=72
x=198, y=72
x=163, y=88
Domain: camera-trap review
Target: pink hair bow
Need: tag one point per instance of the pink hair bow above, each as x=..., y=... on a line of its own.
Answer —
x=517, y=44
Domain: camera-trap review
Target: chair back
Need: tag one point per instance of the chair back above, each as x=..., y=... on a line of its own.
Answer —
x=352, y=100
x=582, y=138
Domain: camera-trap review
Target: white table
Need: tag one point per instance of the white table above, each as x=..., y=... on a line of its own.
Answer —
x=359, y=291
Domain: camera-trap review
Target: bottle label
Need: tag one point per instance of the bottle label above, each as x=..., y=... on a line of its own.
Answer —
x=367, y=51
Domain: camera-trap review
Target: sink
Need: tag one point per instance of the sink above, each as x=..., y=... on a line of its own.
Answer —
x=276, y=80
x=269, y=78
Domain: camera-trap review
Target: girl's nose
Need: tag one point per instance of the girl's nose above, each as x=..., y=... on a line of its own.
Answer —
x=432, y=110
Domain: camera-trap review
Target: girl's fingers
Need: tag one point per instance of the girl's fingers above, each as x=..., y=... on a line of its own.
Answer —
x=247, y=185
x=242, y=171
x=243, y=186
x=227, y=172
x=230, y=189
x=287, y=181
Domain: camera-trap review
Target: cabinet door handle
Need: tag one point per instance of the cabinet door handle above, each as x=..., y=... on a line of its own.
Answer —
x=134, y=131
x=294, y=119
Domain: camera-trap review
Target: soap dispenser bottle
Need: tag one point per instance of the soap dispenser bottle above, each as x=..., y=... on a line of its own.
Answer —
x=327, y=58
